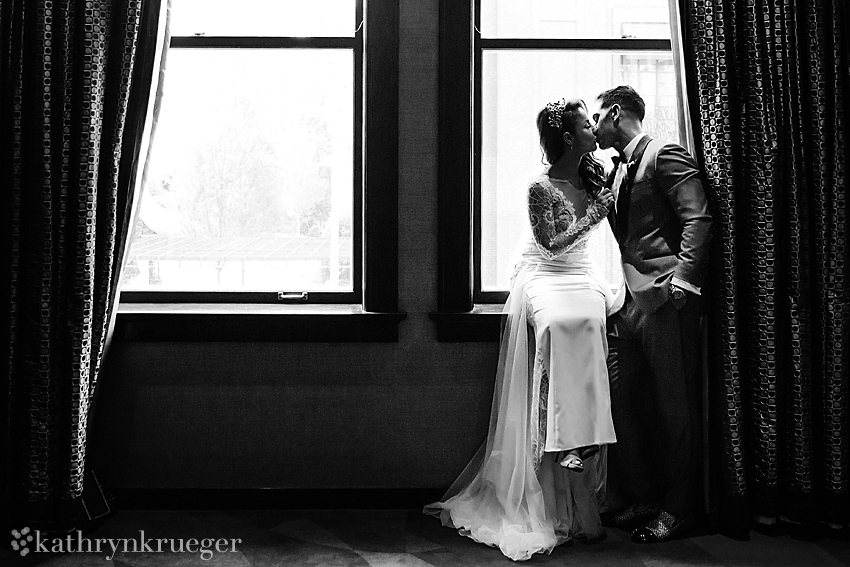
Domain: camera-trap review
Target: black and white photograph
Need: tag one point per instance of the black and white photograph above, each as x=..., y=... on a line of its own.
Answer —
x=425, y=283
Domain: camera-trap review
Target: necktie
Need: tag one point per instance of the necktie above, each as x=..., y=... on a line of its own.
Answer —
x=623, y=198
x=617, y=177
x=614, y=177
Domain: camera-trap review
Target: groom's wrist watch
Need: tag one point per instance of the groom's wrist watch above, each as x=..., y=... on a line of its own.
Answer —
x=676, y=292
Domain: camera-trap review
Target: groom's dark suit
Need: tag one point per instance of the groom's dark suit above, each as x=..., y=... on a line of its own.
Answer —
x=662, y=224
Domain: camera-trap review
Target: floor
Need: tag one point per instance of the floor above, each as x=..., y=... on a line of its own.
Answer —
x=382, y=538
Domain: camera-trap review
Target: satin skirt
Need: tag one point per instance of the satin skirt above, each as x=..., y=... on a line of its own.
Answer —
x=567, y=313
x=551, y=394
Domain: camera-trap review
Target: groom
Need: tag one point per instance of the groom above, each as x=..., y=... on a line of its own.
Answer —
x=662, y=224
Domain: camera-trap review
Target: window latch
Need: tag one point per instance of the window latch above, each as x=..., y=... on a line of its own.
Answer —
x=292, y=296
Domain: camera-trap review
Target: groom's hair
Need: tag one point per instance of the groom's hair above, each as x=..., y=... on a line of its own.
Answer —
x=626, y=97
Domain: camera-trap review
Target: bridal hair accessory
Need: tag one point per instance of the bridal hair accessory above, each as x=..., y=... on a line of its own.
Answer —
x=555, y=110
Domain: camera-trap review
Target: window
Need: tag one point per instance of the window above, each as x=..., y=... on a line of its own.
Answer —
x=254, y=182
x=521, y=55
x=530, y=53
x=278, y=133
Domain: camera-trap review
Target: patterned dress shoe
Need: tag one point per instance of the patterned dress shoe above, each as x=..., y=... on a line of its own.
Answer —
x=663, y=527
x=629, y=518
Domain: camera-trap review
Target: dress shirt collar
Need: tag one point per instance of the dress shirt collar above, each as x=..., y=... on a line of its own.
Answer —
x=630, y=147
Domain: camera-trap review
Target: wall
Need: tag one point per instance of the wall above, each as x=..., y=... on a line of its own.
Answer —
x=315, y=415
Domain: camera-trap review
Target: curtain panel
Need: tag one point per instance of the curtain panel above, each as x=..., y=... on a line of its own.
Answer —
x=768, y=90
x=75, y=122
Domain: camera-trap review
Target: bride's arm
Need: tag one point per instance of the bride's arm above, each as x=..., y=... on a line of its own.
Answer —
x=541, y=214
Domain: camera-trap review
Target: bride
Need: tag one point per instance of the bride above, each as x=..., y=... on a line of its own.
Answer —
x=538, y=479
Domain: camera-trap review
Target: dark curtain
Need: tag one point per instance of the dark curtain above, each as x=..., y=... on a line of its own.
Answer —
x=768, y=90
x=75, y=122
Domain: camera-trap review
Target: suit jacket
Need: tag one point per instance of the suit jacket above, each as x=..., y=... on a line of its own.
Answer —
x=668, y=226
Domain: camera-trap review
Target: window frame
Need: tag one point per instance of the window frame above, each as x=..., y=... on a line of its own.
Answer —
x=368, y=141
x=464, y=312
x=370, y=313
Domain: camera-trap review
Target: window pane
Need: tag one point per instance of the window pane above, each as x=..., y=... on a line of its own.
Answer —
x=313, y=18
x=575, y=19
x=250, y=183
x=516, y=85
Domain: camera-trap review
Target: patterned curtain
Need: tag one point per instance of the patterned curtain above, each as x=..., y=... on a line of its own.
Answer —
x=768, y=92
x=75, y=123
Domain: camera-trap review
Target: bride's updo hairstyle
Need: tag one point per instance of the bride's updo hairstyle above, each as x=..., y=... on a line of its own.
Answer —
x=553, y=121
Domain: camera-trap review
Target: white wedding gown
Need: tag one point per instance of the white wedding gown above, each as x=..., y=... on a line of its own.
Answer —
x=551, y=394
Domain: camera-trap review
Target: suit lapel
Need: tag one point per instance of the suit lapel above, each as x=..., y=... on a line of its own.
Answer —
x=624, y=196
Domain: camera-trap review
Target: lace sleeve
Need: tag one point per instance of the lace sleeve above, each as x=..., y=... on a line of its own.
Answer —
x=541, y=212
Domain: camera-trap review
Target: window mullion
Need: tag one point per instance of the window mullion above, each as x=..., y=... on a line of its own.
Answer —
x=454, y=175
x=251, y=42
x=380, y=175
x=578, y=44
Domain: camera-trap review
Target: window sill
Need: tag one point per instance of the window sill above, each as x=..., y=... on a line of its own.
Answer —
x=228, y=322
x=482, y=324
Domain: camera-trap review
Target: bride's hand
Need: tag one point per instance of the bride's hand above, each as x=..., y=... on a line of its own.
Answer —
x=605, y=198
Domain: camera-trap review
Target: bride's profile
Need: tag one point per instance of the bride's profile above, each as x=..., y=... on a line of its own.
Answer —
x=538, y=479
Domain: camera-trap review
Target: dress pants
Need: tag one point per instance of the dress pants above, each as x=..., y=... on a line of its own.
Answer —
x=655, y=399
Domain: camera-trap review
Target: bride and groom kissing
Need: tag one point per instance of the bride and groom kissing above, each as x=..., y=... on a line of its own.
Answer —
x=582, y=436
